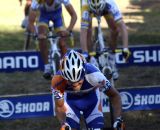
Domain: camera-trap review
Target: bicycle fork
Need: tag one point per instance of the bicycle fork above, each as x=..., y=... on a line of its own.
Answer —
x=54, y=55
x=100, y=35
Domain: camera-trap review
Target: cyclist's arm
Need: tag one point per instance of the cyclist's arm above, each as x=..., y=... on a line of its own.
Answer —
x=31, y=20
x=124, y=32
x=32, y=15
x=60, y=109
x=114, y=10
x=59, y=105
x=85, y=24
x=116, y=101
x=83, y=39
x=99, y=80
x=57, y=90
x=73, y=15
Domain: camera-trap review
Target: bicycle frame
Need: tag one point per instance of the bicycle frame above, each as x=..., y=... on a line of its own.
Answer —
x=103, y=60
x=100, y=34
x=101, y=48
x=54, y=54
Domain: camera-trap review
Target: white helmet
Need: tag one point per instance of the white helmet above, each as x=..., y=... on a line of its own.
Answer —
x=96, y=6
x=72, y=66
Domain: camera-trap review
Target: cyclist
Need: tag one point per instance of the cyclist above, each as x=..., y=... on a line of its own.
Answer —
x=109, y=10
x=26, y=12
x=50, y=10
x=76, y=88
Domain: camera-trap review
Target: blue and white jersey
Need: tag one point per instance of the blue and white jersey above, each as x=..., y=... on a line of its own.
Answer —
x=94, y=81
x=36, y=5
x=111, y=9
x=86, y=100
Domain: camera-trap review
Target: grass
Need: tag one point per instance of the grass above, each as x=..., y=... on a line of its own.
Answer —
x=11, y=39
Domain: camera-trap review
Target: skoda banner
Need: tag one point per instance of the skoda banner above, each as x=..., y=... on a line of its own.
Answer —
x=140, y=98
x=134, y=99
x=141, y=56
x=26, y=106
x=31, y=60
x=42, y=105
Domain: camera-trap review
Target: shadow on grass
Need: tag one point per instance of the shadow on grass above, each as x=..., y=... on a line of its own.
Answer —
x=143, y=21
x=10, y=40
x=14, y=40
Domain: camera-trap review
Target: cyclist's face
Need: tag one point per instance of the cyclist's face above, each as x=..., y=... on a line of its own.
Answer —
x=76, y=85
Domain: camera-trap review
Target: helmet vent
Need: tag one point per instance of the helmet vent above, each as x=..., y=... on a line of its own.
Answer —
x=78, y=63
x=78, y=74
x=74, y=73
x=62, y=65
x=69, y=75
x=72, y=66
x=73, y=61
x=69, y=55
x=75, y=55
x=67, y=63
x=65, y=74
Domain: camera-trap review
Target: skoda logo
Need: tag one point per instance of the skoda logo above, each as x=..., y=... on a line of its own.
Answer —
x=6, y=108
x=127, y=100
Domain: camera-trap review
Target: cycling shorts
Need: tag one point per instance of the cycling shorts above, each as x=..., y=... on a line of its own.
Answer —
x=110, y=12
x=50, y=13
x=55, y=16
x=90, y=106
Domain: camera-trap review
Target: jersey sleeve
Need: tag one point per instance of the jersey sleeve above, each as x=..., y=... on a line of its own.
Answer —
x=96, y=78
x=34, y=5
x=66, y=2
x=114, y=10
x=58, y=85
x=85, y=14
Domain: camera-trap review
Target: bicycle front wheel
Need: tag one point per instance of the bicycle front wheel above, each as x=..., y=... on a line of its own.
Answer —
x=27, y=41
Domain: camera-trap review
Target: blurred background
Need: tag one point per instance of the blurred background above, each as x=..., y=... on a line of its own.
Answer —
x=142, y=18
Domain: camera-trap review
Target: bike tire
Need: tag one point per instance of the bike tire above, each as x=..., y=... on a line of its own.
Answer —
x=27, y=42
x=106, y=72
x=56, y=59
x=96, y=41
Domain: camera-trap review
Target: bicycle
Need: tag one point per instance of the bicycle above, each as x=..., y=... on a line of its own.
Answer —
x=102, y=53
x=101, y=59
x=54, y=53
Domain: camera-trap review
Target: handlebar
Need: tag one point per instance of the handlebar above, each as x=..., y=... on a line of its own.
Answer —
x=105, y=51
x=54, y=36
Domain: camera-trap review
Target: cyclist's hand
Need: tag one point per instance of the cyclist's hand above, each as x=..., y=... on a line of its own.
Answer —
x=119, y=124
x=126, y=53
